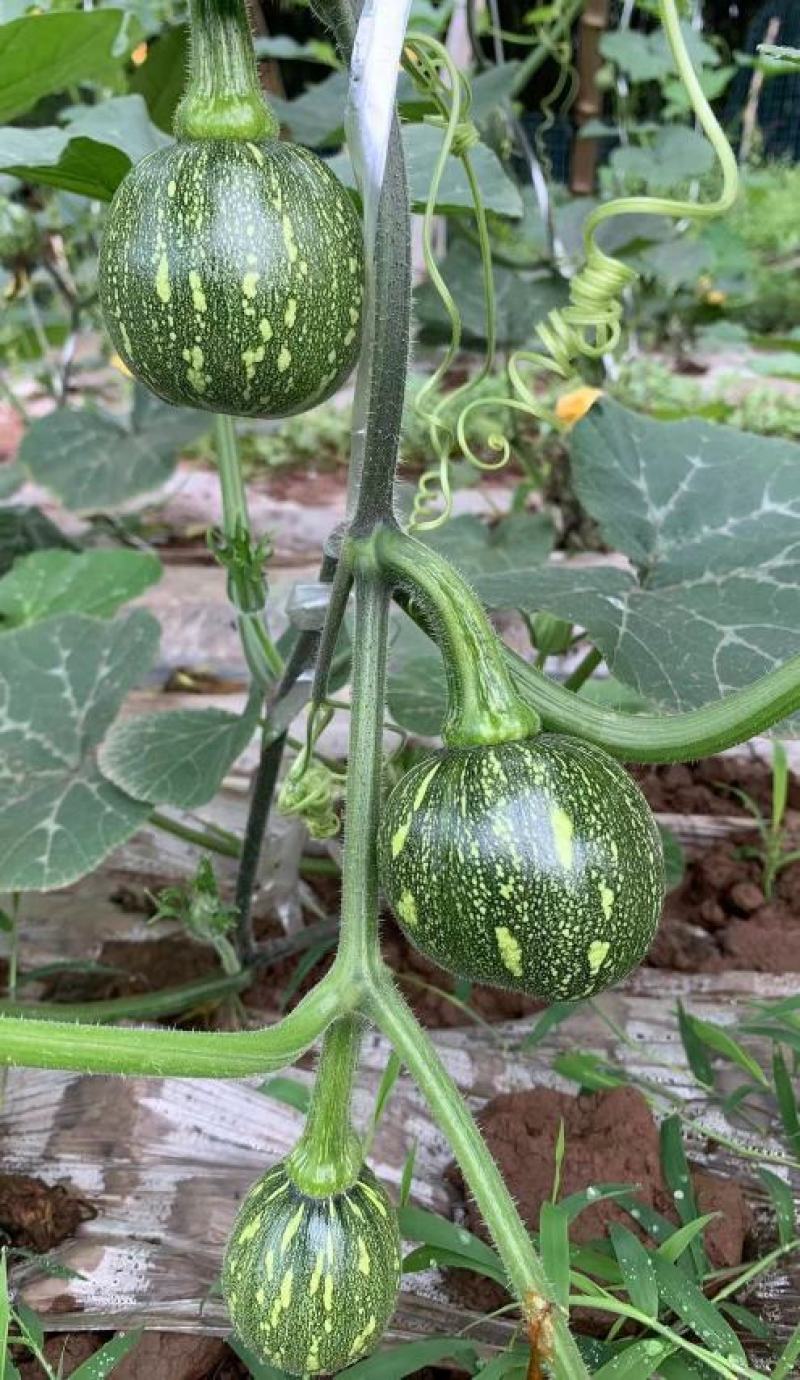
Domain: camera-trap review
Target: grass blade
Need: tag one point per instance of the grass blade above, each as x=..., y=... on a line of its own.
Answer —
x=107, y=1358
x=679, y=1182
x=682, y=1296
x=787, y=1102
x=637, y=1269
x=554, y=1247
x=696, y=1052
x=782, y=1199
x=636, y=1362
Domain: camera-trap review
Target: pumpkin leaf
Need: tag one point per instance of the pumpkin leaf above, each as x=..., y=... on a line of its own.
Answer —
x=288, y=1091
x=421, y=145
x=710, y=518
x=46, y=583
x=59, y=817
x=176, y=757
x=162, y=76
x=44, y=53
x=92, y=462
x=25, y=529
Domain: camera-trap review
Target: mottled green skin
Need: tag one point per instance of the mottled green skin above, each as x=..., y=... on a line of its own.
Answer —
x=231, y=276
x=311, y=1283
x=532, y=865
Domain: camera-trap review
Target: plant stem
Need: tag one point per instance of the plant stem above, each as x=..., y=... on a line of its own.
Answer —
x=483, y=703
x=328, y=1156
x=663, y=737
x=359, y=938
x=214, y=843
x=269, y=764
x=525, y=1273
x=223, y=97
x=246, y=590
x=178, y=1053
x=583, y=670
x=170, y=1001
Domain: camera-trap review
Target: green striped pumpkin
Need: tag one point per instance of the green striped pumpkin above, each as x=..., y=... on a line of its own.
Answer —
x=311, y=1282
x=532, y=865
x=231, y=276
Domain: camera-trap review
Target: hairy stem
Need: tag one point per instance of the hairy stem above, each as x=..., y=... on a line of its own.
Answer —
x=328, y=1156
x=223, y=97
x=178, y=1053
x=525, y=1273
x=484, y=705
x=359, y=939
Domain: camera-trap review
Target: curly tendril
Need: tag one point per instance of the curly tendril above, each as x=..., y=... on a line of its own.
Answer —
x=433, y=499
x=590, y=326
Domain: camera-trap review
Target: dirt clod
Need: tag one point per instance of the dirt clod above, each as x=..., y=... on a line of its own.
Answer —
x=610, y=1137
x=36, y=1216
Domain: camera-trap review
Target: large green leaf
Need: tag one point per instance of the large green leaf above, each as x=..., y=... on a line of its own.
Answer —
x=47, y=583
x=161, y=79
x=521, y=299
x=24, y=529
x=93, y=462
x=44, y=53
x=676, y=155
x=91, y=154
x=647, y=57
x=317, y=117
x=61, y=686
x=421, y=144
x=176, y=757
x=710, y=519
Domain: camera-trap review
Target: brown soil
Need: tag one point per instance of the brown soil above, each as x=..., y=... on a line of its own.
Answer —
x=611, y=1137
x=36, y=1216
x=719, y=919
x=709, y=787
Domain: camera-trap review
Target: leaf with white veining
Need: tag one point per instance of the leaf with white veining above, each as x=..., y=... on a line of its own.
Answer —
x=61, y=686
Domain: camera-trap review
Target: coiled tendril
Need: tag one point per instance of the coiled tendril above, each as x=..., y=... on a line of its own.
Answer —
x=591, y=325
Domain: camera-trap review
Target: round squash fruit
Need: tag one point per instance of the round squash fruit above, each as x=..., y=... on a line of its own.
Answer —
x=311, y=1282
x=231, y=276
x=531, y=865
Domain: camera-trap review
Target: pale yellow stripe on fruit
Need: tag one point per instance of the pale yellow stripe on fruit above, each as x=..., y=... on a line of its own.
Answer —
x=510, y=951
x=292, y=1228
x=563, y=830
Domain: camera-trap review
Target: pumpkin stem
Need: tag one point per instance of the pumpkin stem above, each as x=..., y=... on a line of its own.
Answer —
x=328, y=1157
x=223, y=99
x=483, y=705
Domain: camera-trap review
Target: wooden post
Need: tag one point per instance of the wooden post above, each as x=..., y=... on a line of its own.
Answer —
x=750, y=117
x=589, y=104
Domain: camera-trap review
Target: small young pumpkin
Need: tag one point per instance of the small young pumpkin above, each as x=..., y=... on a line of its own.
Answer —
x=231, y=270
x=231, y=276
x=312, y=1281
x=534, y=865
